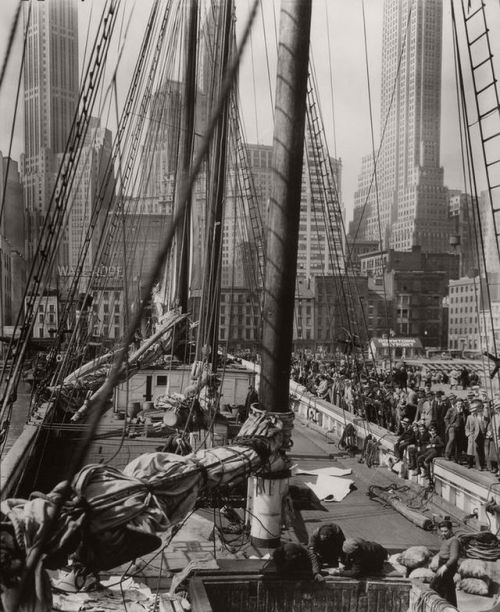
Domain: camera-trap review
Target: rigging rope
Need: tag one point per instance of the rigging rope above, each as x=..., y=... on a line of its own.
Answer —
x=98, y=407
x=10, y=42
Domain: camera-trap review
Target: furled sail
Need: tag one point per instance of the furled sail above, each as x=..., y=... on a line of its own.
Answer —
x=111, y=517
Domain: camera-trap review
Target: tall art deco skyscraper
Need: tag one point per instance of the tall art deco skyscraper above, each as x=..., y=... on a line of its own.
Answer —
x=50, y=98
x=407, y=205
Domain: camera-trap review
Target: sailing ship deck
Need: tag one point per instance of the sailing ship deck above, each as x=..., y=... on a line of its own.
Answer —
x=357, y=514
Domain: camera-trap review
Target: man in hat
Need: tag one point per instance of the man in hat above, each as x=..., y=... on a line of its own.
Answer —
x=422, y=438
x=454, y=420
x=362, y=558
x=492, y=437
x=432, y=449
x=425, y=412
x=406, y=438
x=251, y=398
x=325, y=548
x=440, y=408
x=449, y=552
x=475, y=430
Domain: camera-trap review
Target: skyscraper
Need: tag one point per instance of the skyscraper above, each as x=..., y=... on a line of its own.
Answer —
x=320, y=246
x=407, y=204
x=50, y=98
x=12, y=261
x=93, y=186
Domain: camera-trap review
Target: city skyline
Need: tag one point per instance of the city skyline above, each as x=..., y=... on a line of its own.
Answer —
x=345, y=49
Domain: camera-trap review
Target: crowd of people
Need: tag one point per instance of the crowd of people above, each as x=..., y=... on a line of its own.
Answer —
x=461, y=426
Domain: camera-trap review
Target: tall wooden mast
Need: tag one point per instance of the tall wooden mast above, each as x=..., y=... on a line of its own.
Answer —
x=266, y=497
x=284, y=207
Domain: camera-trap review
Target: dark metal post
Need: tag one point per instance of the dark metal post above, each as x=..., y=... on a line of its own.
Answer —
x=284, y=207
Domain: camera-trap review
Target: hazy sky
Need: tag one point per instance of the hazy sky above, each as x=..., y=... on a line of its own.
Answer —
x=339, y=60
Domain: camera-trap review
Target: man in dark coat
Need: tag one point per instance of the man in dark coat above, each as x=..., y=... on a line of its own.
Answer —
x=475, y=430
x=362, y=558
x=251, y=398
x=464, y=378
x=449, y=553
x=325, y=548
x=440, y=408
x=455, y=430
x=406, y=438
x=432, y=449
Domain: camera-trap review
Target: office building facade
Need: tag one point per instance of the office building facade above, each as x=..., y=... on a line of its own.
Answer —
x=50, y=100
x=407, y=203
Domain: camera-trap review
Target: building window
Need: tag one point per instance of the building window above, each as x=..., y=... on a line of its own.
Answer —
x=161, y=381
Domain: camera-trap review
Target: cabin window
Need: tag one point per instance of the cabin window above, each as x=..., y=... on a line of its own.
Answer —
x=161, y=381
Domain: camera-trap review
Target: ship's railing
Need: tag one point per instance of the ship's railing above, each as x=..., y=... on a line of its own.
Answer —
x=15, y=461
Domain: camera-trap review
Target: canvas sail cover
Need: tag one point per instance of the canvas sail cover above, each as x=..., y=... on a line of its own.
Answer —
x=112, y=517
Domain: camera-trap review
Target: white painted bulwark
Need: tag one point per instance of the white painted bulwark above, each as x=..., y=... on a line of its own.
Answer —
x=465, y=489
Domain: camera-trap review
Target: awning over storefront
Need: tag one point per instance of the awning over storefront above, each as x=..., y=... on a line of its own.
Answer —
x=396, y=347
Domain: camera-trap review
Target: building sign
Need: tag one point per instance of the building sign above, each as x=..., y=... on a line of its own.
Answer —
x=398, y=342
x=99, y=272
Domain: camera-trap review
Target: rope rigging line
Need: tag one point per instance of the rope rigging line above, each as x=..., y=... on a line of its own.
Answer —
x=330, y=72
x=480, y=246
x=321, y=166
x=469, y=180
x=377, y=199
x=466, y=142
x=52, y=228
x=268, y=69
x=97, y=209
x=485, y=119
x=10, y=42
x=18, y=91
x=384, y=129
x=97, y=408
